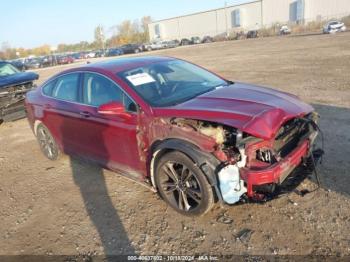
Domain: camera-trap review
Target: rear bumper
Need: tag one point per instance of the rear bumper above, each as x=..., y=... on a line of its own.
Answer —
x=277, y=172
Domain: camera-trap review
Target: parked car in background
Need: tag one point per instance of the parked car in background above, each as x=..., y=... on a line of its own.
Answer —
x=183, y=131
x=77, y=55
x=334, y=27
x=171, y=44
x=285, y=30
x=65, y=59
x=195, y=40
x=154, y=45
x=90, y=54
x=100, y=53
x=252, y=34
x=131, y=48
x=49, y=60
x=185, y=41
x=207, y=39
x=33, y=63
x=114, y=52
x=14, y=84
x=19, y=63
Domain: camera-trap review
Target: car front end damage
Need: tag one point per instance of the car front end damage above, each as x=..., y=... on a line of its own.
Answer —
x=262, y=165
x=11, y=100
x=250, y=168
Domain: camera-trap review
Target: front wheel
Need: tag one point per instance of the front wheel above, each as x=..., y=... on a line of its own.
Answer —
x=183, y=185
x=47, y=143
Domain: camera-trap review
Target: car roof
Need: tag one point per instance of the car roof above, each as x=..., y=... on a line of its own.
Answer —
x=120, y=64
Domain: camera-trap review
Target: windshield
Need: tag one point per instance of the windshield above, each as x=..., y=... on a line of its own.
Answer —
x=171, y=82
x=7, y=69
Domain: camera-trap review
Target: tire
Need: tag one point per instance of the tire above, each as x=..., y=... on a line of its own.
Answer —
x=47, y=143
x=136, y=51
x=189, y=192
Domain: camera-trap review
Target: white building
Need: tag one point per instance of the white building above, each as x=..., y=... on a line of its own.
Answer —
x=248, y=16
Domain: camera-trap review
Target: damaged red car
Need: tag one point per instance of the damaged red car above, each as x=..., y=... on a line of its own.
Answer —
x=185, y=132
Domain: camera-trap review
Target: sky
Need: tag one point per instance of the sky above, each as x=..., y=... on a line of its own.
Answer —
x=31, y=23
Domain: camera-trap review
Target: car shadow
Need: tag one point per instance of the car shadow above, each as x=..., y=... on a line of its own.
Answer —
x=335, y=167
x=89, y=177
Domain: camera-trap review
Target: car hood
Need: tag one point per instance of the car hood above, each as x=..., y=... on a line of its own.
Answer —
x=17, y=79
x=258, y=111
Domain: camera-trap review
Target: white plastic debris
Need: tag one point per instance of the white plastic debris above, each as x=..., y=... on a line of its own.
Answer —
x=231, y=186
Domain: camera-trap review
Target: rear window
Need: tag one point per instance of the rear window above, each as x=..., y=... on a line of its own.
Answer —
x=66, y=87
x=47, y=89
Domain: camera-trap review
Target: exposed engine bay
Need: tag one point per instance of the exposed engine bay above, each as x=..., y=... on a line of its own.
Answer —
x=241, y=154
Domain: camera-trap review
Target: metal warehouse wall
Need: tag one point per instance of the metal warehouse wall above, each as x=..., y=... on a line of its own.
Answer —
x=251, y=16
x=276, y=11
x=212, y=23
x=326, y=9
x=282, y=11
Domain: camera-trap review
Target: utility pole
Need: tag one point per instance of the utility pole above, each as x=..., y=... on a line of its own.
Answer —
x=262, y=13
x=102, y=37
x=226, y=19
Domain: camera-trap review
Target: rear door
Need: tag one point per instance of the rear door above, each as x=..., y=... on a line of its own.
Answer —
x=62, y=111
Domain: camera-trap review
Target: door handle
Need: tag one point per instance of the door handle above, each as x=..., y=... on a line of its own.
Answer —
x=84, y=114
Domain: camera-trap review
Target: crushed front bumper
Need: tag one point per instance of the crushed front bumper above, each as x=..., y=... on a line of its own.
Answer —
x=276, y=173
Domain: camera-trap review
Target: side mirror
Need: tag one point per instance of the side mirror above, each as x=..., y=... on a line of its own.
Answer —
x=113, y=109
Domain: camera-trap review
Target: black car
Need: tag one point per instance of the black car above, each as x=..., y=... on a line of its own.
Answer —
x=14, y=84
x=131, y=48
x=195, y=40
x=33, y=63
x=185, y=41
x=207, y=39
x=252, y=34
x=49, y=60
x=19, y=64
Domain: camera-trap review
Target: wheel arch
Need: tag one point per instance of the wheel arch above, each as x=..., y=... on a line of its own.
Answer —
x=205, y=161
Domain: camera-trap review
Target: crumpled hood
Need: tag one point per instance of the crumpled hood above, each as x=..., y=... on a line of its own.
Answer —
x=18, y=78
x=258, y=111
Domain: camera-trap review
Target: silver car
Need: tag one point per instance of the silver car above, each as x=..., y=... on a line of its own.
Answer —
x=334, y=27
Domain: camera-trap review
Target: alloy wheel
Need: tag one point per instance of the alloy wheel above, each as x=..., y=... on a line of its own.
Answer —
x=47, y=143
x=181, y=186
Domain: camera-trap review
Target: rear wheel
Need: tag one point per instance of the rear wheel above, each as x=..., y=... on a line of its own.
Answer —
x=47, y=143
x=183, y=185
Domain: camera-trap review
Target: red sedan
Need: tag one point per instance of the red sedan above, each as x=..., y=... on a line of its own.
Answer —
x=190, y=134
x=61, y=60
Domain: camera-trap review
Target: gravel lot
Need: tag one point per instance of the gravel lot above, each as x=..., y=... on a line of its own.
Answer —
x=72, y=207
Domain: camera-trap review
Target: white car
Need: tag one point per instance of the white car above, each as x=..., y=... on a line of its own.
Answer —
x=334, y=27
x=285, y=30
x=155, y=45
x=91, y=55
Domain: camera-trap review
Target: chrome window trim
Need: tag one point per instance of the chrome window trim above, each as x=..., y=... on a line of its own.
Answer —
x=78, y=103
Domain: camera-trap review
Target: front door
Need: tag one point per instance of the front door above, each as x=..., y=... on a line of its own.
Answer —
x=111, y=140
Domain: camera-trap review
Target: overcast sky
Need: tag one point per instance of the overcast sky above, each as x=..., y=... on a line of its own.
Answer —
x=31, y=23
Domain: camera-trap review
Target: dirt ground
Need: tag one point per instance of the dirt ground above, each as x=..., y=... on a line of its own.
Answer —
x=72, y=207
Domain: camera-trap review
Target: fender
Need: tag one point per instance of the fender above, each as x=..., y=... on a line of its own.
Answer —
x=207, y=162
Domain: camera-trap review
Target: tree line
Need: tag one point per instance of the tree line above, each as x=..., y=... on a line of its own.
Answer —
x=126, y=32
